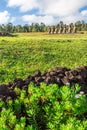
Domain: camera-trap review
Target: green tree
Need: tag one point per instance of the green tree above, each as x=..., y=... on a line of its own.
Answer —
x=26, y=28
x=78, y=25
x=42, y=27
x=9, y=27
x=19, y=28
x=35, y=27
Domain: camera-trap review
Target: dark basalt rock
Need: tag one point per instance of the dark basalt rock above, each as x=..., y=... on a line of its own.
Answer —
x=12, y=94
x=59, y=75
x=18, y=83
x=4, y=90
x=5, y=34
x=8, y=98
x=53, y=73
x=37, y=73
x=65, y=80
x=25, y=87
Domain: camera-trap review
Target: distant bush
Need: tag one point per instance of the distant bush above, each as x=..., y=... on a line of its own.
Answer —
x=45, y=108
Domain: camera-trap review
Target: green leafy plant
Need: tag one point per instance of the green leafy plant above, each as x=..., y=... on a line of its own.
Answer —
x=45, y=107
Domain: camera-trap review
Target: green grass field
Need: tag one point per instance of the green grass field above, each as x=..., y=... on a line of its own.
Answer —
x=27, y=52
x=47, y=107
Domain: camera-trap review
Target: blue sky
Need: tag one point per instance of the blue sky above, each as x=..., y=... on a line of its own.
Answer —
x=47, y=11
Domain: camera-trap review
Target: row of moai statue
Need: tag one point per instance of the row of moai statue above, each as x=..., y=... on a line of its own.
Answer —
x=60, y=30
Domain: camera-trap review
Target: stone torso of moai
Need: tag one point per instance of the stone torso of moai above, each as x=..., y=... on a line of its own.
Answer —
x=49, y=30
x=74, y=29
x=56, y=30
x=64, y=29
x=69, y=29
x=60, y=30
x=52, y=30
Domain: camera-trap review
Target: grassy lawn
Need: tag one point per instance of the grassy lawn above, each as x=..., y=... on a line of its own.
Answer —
x=27, y=52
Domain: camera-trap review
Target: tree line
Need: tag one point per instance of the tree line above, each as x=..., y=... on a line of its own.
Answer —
x=36, y=27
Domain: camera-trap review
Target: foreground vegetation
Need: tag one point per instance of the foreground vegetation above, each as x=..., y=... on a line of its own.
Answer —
x=25, y=53
x=45, y=108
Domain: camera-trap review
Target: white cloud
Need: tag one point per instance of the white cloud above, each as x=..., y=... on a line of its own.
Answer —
x=84, y=13
x=48, y=20
x=71, y=18
x=55, y=7
x=61, y=7
x=25, y=5
x=66, y=10
x=14, y=3
x=5, y=17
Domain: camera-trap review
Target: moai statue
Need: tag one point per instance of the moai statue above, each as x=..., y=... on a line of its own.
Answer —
x=60, y=30
x=56, y=30
x=64, y=29
x=52, y=30
x=74, y=29
x=69, y=29
x=49, y=30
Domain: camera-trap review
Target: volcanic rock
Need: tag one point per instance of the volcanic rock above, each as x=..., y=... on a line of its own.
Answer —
x=59, y=75
x=3, y=90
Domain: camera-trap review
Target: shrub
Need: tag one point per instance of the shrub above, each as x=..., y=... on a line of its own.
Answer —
x=45, y=108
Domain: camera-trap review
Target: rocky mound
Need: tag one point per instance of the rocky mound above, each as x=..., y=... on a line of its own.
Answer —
x=5, y=34
x=59, y=75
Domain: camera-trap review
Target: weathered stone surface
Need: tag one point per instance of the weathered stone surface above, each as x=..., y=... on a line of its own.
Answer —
x=56, y=30
x=69, y=29
x=53, y=73
x=74, y=29
x=65, y=80
x=64, y=30
x=52, y=30
x=37, y=73
x=49, y=30
x=18, y=83
x=4, y=90
x=60, y=30
x=38, y=79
